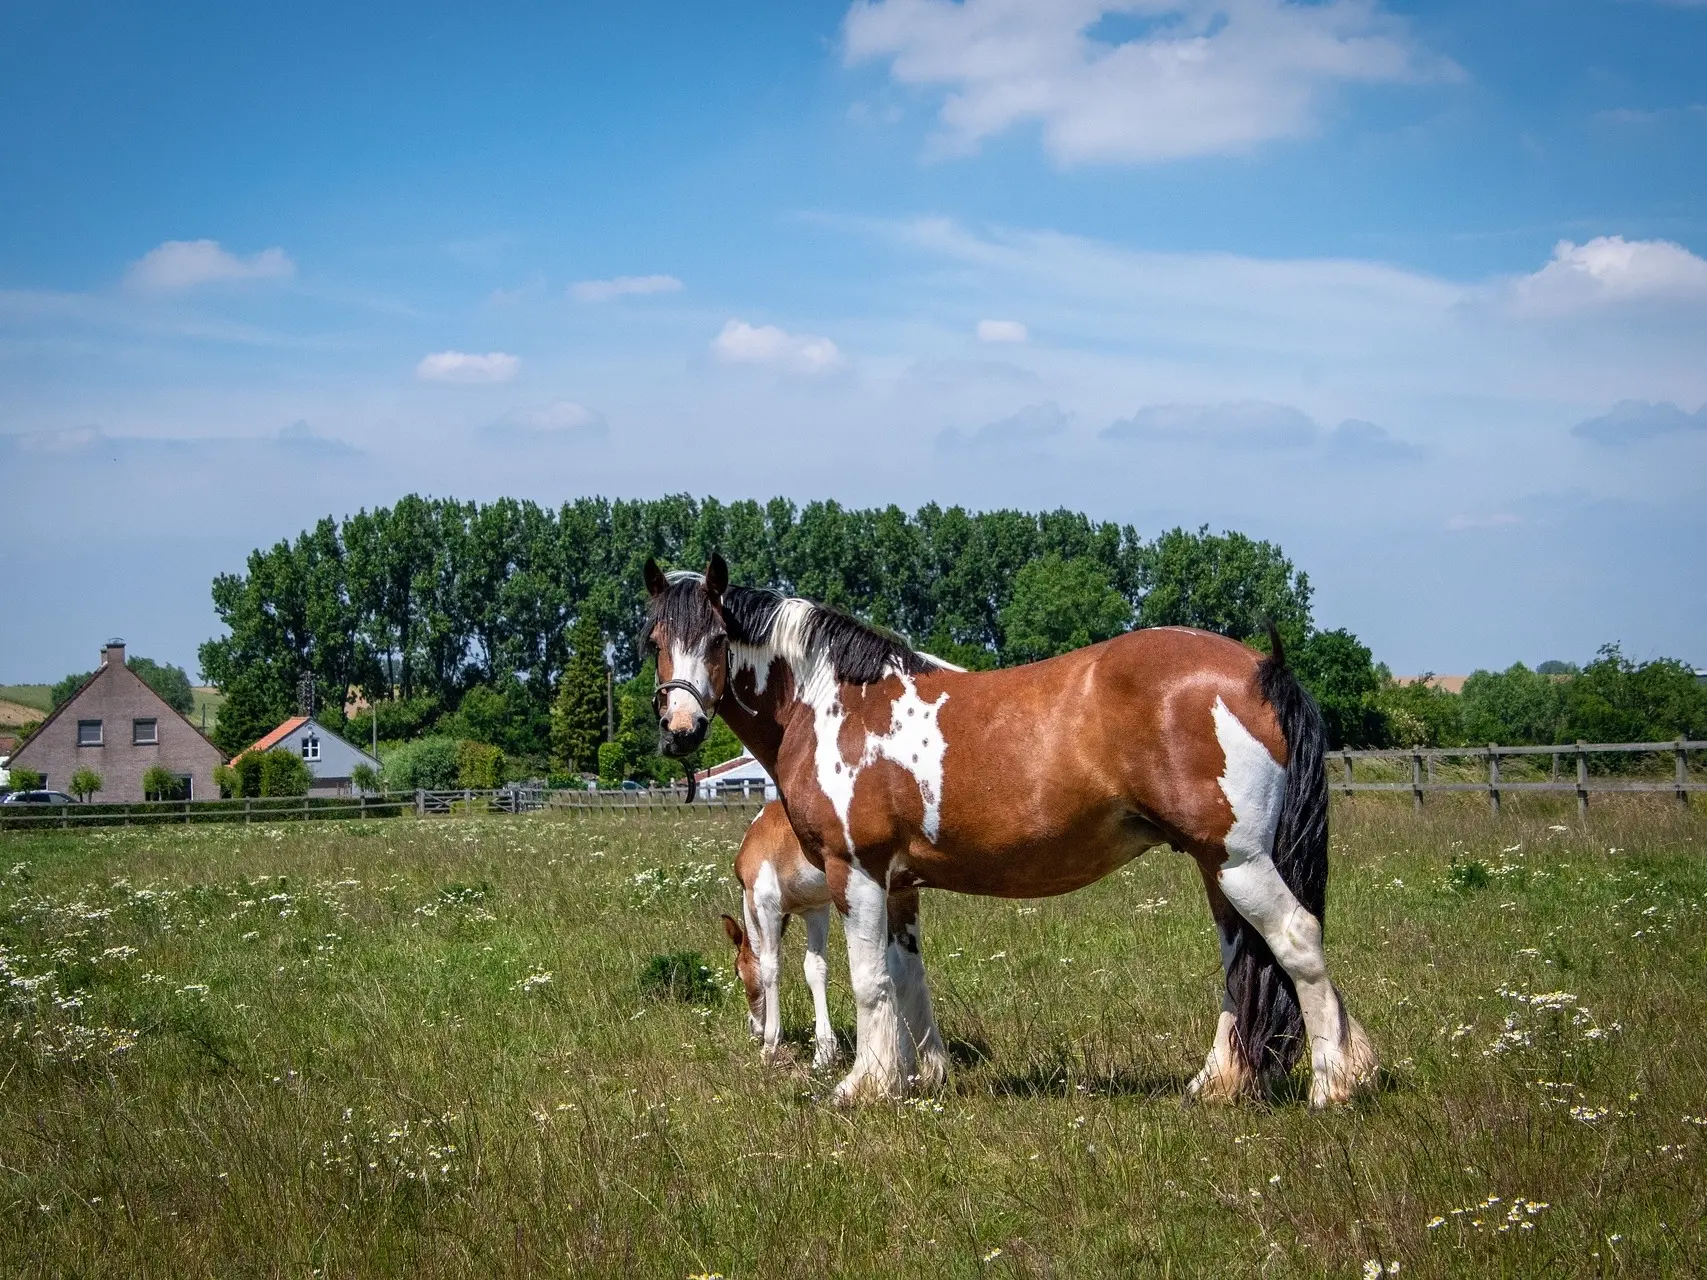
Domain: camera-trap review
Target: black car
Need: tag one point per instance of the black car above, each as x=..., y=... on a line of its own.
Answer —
x=37, y=797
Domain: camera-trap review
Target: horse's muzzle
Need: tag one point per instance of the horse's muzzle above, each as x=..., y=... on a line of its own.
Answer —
x=676, y=743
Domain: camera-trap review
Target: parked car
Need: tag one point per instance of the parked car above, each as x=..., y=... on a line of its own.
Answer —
x=631, y=785
x=38, y=797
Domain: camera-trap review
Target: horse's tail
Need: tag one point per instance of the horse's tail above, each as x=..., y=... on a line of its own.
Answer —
x=1268, y=1024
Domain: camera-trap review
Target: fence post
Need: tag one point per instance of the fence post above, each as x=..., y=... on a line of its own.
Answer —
x=1416, y=778
x=420, y=803
x=305, y=806
x=1494, y=778
x=1345, y=758
x=1682, y=773
x=1582, y=780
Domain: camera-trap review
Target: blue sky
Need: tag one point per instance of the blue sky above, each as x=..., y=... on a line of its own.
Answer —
x=1418, y=291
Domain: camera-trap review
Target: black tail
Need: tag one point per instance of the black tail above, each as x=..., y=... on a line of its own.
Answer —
x=1268, y=1024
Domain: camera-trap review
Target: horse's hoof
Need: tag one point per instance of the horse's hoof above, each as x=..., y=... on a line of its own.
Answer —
x=859, y=1088
x=1352, y=1073
x=826, y=1054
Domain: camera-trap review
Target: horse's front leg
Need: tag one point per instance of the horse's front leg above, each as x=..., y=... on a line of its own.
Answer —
x=878, y=1068
x=817, y=978
x=907, y=972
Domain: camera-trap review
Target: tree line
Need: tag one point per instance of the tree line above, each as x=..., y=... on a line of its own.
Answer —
x=513, y=624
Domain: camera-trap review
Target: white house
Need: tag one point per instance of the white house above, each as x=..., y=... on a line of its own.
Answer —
x=329, y=758
x=742, y=776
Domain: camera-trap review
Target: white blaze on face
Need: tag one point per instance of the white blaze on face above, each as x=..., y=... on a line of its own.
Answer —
x=913, y=740
x=681, y=712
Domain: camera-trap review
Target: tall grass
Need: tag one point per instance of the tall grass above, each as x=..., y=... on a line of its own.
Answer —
x=426, y=1048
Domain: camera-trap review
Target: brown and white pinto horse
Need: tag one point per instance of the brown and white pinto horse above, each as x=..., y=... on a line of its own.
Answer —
x=1025, y=782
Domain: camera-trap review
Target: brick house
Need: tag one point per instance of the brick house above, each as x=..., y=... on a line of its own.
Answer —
x=119, y=727
x=329, y=758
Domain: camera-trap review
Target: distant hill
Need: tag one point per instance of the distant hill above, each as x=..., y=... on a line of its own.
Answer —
x=38, y=697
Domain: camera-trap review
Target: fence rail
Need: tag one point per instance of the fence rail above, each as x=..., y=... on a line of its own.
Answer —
x=196, y=812
x=1423, y=762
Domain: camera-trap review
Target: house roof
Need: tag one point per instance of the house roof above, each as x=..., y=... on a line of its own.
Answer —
x=740, y=764
x=289, y=727
x=95, y=675
x=273, y=739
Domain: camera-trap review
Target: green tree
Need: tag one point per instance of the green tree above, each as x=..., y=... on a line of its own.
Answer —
x=1616, y=700
x=85, y=782
x=1340, y=672
x=428, y=763
x=1226, y=583
x=257, y=701
x=63, y=689
x=578, y=714
x=1515, y=707
x=365, y=778
x=1059, y=605
x=170, y=682
x=1420, y=715
x=160, y=783
x=23, y=779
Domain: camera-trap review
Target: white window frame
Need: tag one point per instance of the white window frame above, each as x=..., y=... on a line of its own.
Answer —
x=311, y=747
x=100, y=734
x=136, y=738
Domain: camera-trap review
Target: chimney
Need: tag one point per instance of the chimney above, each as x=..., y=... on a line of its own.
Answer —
x=113, y=653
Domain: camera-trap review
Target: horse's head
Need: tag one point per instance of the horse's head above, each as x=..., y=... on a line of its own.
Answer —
x=686, y=629
x=747, y=969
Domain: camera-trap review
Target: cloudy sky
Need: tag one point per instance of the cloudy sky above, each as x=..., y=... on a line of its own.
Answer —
x=1418, y=291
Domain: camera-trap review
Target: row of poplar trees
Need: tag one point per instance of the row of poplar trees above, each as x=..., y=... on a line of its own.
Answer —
x=497, y=621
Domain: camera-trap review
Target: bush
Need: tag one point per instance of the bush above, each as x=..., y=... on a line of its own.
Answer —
x=479, y=766
x=85, y=783
x=680, y=975
x=427, y=764
x=1420, y=715
x=283, y=773
x=365, y=778
x=610, y=764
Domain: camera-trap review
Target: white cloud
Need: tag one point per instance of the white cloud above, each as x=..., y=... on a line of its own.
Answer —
x=558, y=419
x=460, y=366
x=623, y=286
x=1192, y=77
x=183, y=264
x=1001, y=331
x=1611, y=269
x=1032, y=425
x=742, y=343
x=1243, y=424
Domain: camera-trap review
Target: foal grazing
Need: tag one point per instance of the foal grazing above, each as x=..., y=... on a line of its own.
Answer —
x=777, y=882
x=1026, y=782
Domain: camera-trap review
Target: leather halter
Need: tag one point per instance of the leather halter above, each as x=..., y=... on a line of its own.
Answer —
x=708, y=711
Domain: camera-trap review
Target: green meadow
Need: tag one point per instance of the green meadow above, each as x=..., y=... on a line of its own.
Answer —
x=424, y=1047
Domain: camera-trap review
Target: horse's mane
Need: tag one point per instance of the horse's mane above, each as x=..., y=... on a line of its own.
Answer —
x=856, y=652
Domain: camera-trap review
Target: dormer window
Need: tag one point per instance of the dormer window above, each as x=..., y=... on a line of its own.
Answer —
x=311, y=747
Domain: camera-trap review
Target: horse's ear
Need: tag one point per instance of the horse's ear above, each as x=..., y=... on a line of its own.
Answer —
x=716, y=577
x=732, y=929
x=656, y=584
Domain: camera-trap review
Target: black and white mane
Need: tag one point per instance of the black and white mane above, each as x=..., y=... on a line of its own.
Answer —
x=758, y=618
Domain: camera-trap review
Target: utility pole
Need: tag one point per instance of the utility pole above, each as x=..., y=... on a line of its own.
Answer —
x=610, y=705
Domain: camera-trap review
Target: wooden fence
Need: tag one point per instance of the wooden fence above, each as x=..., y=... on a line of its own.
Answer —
x=153, y=813
x=1424, y=765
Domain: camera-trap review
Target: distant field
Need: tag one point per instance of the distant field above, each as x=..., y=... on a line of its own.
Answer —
x=37, y=697
x=421, y=1047
x=209, y=699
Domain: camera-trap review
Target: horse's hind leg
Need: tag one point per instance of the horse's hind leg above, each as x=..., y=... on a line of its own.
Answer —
x=817, y=976
x=907, y=971
x=1225, y=1076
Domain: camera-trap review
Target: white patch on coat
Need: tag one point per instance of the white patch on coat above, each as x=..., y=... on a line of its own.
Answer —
x=882, y=1055
x=913, y=740
x=693, y=668
x=1254, y=784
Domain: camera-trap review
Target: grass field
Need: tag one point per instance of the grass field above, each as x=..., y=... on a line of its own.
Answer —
x=37, y=697
x=424, y=1048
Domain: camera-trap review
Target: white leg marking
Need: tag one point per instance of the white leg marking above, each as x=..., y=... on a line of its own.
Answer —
x=877, y=1068
x=907, y=971
x=767, y=907
x=1254, y=785
x=817, y=978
